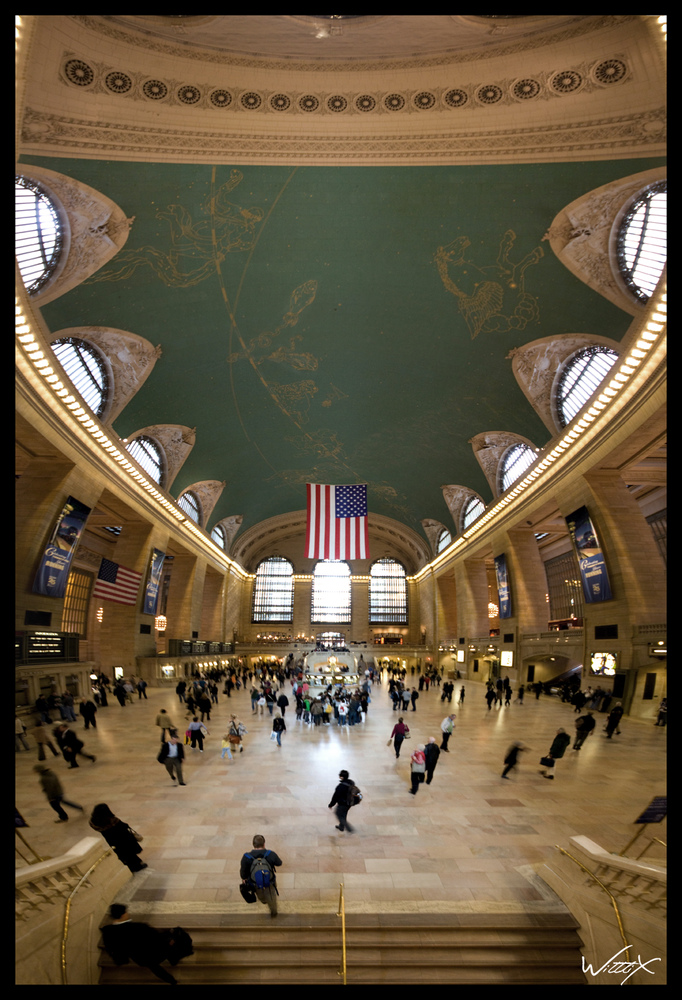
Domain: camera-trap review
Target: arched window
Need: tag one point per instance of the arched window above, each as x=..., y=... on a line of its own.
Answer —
x=514, y=463
x=38, y=234
x=219, y=537
x=148, y=456
x=189, y=502
x=473, y=509
x=273, y=591
x=387, y=593
x=641, y=244
x=580, y=379
x=86, y=369
x=443, y=540
x=331, y=592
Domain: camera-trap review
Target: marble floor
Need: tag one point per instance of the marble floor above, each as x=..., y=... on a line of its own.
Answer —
x=468, y=841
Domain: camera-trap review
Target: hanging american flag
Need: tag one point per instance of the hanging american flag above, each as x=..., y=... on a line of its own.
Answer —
x=116, y=583
x=337, y=522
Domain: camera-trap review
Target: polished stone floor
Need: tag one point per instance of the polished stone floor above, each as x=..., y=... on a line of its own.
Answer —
x=468, y=841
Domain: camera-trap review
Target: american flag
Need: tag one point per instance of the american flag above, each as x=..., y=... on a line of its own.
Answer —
x=337, y=522
x=116, y=583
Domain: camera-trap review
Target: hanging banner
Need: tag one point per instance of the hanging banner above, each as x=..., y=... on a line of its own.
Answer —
x=595, y=579
x=151, y=591
x=503, y=589
x=55, y=564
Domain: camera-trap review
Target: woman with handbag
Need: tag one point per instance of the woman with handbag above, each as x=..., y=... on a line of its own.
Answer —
x=556, y=751
x=123, y=841
x=417, y=768
x=400, y=733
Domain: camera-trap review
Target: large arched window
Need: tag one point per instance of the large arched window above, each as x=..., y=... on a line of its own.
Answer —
x=641, y=244
x=189, y=502
x=273, y=591
x=514, y=463
x=580, y=379
x=38, y=234
x=473, y=509
x=87, y=371
x=387, y=593
x=148, y=456
x=331, y=592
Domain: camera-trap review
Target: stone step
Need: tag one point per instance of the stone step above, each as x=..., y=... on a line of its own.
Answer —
x=478, y=951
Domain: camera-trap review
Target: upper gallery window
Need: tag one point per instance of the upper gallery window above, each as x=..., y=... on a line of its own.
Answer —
x=273, y=591
x=219, y=537
x=148, y=456
x=641, y=244
x=516, y=460
x=443, y=541
x=331, y=592
x=580, y=379
x=190, y=504
x=388, y=593
x=86, y=370
x=38, y=234
x=474, y=508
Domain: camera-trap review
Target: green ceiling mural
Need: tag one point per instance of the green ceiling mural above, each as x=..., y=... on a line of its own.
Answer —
x=337, y=324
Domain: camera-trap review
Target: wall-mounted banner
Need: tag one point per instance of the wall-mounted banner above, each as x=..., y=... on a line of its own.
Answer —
x=151, y=591
x=53, y=571
x=503, y=589
x=593, y=573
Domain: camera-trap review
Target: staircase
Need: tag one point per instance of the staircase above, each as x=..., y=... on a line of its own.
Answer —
x=398, y=949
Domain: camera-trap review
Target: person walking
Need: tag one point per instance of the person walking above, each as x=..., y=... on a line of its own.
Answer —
x=41, y=734
x=342, y=800
x=584, y=725
x=278, y=727
x=511, y=759
x=559, y=746
x=413, y=699
x=197, y=730
x=237, y=730
x=462, y=694
x=613, y=721
x=257, y=869
x=417, y=768
x=400, y=731
x=431, y=753
x=164, y=722
x=447, y=727
x=20, y=735
x=662, y=716
x=52, y=786
x=88, y=710
x=172, y=754
x=227, y=749
x=70, y=746
x=125, y=939
x=123, y=841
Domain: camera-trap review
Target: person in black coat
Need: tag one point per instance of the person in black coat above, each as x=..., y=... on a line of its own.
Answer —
x=126, y=939
x=584, y=725
x=118, y=835
x=432, y=753
x=70, y=746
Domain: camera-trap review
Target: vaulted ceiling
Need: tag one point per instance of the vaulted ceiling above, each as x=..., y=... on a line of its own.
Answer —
x=343, y=312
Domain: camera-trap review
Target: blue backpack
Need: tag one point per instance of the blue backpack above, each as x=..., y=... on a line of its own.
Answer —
x=261, y=873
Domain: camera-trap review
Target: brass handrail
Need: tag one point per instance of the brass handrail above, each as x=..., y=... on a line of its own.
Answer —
x=67, y=910
x=342, y=913
x=608, y=893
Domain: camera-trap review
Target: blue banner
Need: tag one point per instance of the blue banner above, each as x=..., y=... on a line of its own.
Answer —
x=151, y=590
x=53, y=571
x=503, y=588
x=595, y=579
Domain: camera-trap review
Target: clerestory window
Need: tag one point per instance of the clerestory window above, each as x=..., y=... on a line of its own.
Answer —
x=641, y=244
x=580, y=379
x=148, y=456
x=86, y=370
x=516, y=460
x=189, y=502
x=273, y=591
x=387, y=593
x=331, y=600
x=38, y=234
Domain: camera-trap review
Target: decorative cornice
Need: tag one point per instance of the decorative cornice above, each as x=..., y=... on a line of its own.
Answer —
x=631, y=134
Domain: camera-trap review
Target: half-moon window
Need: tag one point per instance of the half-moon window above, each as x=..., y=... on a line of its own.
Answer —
x=86, y=370
x=642, y=241
x=38, y=234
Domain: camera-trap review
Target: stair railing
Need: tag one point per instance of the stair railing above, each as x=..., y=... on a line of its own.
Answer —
x=342, y=913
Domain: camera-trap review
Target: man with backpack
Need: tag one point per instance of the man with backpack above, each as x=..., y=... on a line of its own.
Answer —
x=345, y=795
x=257, y=869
